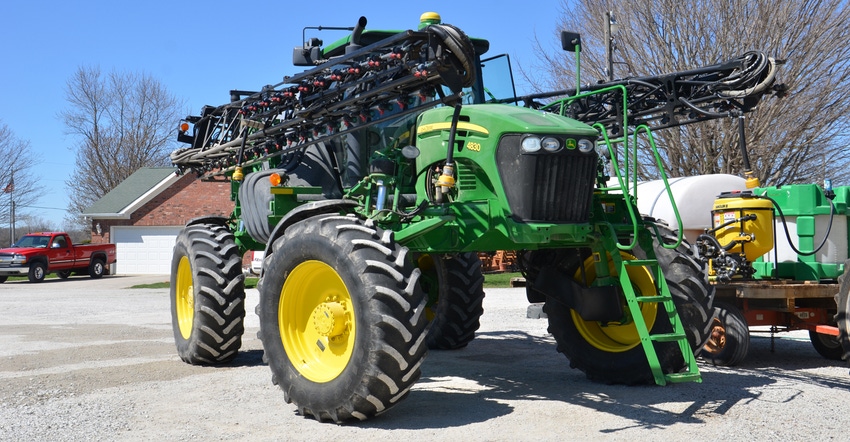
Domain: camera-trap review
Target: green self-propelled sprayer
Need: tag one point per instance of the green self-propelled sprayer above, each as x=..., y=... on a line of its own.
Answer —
x=373, y=179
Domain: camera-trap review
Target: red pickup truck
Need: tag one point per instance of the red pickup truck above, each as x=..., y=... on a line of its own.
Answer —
x=38, y=254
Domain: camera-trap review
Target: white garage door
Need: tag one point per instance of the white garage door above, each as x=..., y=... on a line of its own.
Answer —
x=144, y=250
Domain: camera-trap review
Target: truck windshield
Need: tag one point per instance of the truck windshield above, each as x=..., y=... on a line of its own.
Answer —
x=32, y=241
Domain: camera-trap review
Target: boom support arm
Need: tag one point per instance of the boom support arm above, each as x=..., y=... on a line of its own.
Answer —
x=669, y=100
x=398, y=75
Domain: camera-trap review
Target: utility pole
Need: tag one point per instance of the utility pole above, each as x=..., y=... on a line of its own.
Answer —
x=610, y=28
x=10, y=189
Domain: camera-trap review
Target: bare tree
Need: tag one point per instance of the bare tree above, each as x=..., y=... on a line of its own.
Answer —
x=800, y=138
x=123, y=121
x=18, y=178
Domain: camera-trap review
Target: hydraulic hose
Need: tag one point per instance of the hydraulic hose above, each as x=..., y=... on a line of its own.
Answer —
x=788, y=234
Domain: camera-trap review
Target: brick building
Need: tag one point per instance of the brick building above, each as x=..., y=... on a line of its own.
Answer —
x=143, y=215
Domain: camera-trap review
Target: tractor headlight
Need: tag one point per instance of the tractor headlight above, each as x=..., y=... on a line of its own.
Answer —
x=551, y=144
x=586, y=146
x=530, y=144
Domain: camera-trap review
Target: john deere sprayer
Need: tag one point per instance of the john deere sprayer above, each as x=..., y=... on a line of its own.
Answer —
x=372, y=180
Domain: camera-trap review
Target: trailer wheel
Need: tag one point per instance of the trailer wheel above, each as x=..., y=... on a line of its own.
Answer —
x=207, y=295
x=455, y=289
x=827, y=346
x=64, y=274
x=3, y=278
x=842, y=316
x=96, y=268
x=341, y=318
x=37, y=272
x=730, y=336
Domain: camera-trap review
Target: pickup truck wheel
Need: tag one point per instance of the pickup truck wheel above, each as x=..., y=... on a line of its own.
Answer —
x=207, y=295
x=64, y=274
x=96, y=268
x=3, y=279
x=37, y=272
x=341, y=318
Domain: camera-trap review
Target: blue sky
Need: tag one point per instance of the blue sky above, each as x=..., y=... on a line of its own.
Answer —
x=199, y=50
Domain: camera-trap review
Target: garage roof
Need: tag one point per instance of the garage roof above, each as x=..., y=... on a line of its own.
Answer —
x=132, y=193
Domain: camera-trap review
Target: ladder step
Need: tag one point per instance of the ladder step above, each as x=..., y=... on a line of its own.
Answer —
x=683, y=377
x=641, y=262
x=668, y=337
x=660, y=298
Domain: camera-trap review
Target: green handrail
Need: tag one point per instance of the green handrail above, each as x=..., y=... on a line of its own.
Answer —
x=623, y=185
x=655, y=153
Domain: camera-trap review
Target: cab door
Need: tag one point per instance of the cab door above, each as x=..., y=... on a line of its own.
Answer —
x=60, y=254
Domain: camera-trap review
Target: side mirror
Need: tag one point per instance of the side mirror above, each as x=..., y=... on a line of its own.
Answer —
x=308, y=54
x=571, y=41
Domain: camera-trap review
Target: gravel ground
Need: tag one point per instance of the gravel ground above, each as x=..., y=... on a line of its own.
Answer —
x=85, y=360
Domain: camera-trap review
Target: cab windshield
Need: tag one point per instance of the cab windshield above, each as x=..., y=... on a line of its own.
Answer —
x=32, y=241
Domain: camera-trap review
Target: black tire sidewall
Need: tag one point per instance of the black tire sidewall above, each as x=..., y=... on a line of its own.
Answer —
x=301, y=248
x=184, y=346
x=196, y=349
x=460, y=295
x=34, y=275
x=627, y=367
x=842, y=315
x=737, y=332
x=388, y=304
x=96, y=268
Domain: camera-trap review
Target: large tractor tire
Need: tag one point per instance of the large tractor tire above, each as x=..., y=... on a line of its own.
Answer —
x=207, y=295
x=687, y=280
x=842, y=316
x=342, y=318
x=455, y=289
x=730, y=336
x=612, y=352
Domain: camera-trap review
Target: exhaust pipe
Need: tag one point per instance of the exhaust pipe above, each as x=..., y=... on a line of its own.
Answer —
x=354, y=42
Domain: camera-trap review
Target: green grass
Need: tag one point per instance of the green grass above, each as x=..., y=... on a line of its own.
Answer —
x=499, y=280
x=491, y=280
x=26, y=278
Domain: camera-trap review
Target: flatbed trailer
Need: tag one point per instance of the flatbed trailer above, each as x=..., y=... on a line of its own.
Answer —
x=781, y=305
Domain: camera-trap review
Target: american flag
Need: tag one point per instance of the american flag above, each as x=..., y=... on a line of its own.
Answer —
x=11, y=186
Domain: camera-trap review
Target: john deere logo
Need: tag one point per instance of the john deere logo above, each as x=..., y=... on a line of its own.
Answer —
x=571, y=143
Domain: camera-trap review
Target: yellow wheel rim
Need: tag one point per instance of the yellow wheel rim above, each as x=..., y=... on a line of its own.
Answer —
x=316, y=320
x=615, y=337
x=184, y=294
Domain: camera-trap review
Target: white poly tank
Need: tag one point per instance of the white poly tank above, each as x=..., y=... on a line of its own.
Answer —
x=694, y=198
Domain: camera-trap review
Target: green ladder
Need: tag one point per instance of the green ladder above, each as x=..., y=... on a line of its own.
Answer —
x=646, y=339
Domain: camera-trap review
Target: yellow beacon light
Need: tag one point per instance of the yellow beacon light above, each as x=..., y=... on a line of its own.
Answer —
x=429, y=18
